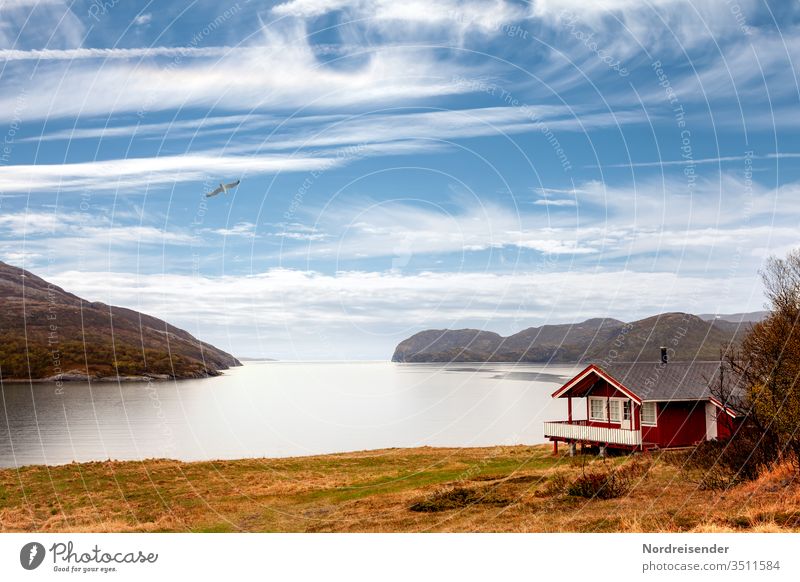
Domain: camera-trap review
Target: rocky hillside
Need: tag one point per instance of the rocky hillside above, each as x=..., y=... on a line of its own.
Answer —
x=689, y=336
x=46, y=332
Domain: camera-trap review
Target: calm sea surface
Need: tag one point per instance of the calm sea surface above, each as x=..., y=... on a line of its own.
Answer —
x=276, y=409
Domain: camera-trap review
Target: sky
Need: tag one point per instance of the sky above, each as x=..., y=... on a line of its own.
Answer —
x=490, y=164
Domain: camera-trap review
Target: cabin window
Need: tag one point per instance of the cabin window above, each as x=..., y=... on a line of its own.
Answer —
x=597, y=409
x=614, y=410
x=649, y=413
x=626, y=410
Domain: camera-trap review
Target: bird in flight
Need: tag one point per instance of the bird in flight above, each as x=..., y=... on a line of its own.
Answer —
x=223, y=189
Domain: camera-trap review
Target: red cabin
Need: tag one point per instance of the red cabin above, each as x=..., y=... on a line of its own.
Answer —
x=642, y=405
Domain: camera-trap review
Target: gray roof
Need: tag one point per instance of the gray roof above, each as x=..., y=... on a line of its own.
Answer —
x=670, y=381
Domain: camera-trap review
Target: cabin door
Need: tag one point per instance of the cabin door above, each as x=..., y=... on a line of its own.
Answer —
x=626, y=419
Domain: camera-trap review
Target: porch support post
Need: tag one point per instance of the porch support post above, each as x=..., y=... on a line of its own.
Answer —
x=572, y=448
x=569, y=409
x=555, y=447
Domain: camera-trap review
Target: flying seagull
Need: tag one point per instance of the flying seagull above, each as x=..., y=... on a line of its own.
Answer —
x=223, y=189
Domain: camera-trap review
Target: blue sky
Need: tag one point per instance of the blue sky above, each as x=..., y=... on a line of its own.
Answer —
x=404, y=166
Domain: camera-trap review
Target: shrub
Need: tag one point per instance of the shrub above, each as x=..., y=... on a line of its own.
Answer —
x=555, y=485
x=741, y=458
x=458, y=498
x=598, y=485
x=611, y=484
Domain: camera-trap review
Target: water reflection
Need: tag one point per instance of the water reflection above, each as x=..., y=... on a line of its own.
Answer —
x=279, y=409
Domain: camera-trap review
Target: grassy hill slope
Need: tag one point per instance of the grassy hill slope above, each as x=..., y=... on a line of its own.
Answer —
x=46, y=331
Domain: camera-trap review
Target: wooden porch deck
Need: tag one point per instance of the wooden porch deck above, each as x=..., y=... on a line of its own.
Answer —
x=582, y=431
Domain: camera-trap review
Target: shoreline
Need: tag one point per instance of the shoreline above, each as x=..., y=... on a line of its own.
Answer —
x=296, y=458
x=72, y=378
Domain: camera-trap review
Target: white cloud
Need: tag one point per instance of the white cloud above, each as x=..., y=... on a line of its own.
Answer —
x=128, y=235
x=459, y=15
x=298, y=232
x=712, y=51
x=105, y=54
x=310, y=8
x=28, y=223
x=33, y=23
x=442, y=125
x=713, y=227
x=59, y=229
x=183, y=127
x=45, y=240
x=404, y=229
x=555, y=202
x=689, y=21
x=240, y=229
x=330, y=144
x=277, y=74
x=350, y=137
x=759, y=70
x=143, y=19
x=691, y=162
x=138, y=173
x=554, y=8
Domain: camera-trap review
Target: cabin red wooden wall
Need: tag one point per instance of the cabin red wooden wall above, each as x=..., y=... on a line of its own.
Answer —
x=603, y=388
x=679, y=424
x=725, y=425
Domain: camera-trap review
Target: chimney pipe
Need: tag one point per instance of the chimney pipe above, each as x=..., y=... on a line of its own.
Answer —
x=664, y=357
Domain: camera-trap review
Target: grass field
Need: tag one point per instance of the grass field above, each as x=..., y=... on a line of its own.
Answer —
x=516, y=489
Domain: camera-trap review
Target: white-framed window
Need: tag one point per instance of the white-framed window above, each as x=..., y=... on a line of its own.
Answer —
x=626, y=410
x=649, y=413
x=597, y=408
x=615, y=410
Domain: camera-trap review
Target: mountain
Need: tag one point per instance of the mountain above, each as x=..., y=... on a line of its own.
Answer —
x=445, y=345
x=749, y=317
x=688, y=337
x=46, y=332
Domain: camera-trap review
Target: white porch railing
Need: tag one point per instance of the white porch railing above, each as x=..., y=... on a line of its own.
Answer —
x=582, y=432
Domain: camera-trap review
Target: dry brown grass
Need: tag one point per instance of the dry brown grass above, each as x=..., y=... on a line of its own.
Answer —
x=515, y=489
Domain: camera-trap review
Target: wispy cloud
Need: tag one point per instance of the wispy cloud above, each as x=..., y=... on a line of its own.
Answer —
x=443, y=125
x=137, y=173
x=555, y=202
x=76, y=54
x=458, y=16
x=402, y=230
x=52, y=227
x=40, y=23
x=298, y=232
x=692, y=161
x=167, y=129
x=143, y=19
x=397, y=131
x=274, y=74
x=716, y=224
x=40, y=240
x=240, y=229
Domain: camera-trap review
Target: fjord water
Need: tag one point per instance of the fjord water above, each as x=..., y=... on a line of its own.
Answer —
x=279, y=409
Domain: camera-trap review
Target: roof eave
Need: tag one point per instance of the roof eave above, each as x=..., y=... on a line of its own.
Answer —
x=730, y=411
x=592, y=368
